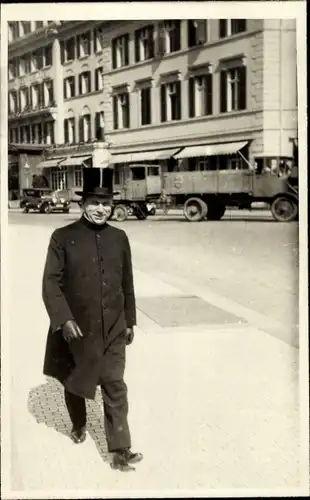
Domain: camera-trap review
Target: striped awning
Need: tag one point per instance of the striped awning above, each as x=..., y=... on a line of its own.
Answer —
x=211, y=150
x=161, y=154
x=74, y=161
x=52, y=162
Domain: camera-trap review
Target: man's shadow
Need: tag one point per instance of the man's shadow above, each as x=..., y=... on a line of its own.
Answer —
x=47, y=405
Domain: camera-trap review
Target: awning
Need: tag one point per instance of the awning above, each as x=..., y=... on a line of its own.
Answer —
x=211, y=150
x=74, y=161
x=161, y=154
x=52, y=162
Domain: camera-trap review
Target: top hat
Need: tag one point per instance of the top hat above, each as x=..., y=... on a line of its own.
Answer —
x=97, y=182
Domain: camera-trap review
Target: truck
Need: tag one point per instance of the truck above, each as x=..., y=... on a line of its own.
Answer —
x=204, y=195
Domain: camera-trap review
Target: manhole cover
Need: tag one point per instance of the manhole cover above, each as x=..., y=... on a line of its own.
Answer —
x=184, y=310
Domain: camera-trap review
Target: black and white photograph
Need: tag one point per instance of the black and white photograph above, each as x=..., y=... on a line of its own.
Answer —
x=154, y=280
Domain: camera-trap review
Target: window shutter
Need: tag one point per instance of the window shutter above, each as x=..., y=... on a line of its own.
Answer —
x=177, y=35
x=30, y=96
x=149, y=105
x=78, y=48
x=127, y=107
x=223, y=92
x=201, y=30
x=65, y=88
x=151, y=41
x=89, y=82
x=137, y=45
x=51, y=91
x=161, y=39
x=62, y=52
x=222, y=27
x=81, y=129
x=242, y=88
x=89, y=128
x=41, y=94
x=163, y=103
x=80, y=84
x=89, y=43
x=126, y=37
x=191, y=97
x=114, y=59
x=97, y=126
x=19, y=96
x=178, y=100
x=115, y=113
x=66, y=130
x=209, y=96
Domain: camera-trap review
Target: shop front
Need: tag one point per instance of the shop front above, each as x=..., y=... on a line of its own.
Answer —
x=63, y=166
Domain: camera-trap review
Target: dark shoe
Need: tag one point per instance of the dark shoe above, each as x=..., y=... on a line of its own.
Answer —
x=120, y=462
x=78, y=434
x=132, y=458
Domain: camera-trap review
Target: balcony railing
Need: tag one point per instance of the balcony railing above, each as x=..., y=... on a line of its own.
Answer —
x=34, y=110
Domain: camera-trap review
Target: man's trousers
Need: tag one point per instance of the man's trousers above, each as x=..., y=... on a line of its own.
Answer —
x=115, y=406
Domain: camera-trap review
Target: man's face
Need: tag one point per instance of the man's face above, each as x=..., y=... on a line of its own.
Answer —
x=97, y=209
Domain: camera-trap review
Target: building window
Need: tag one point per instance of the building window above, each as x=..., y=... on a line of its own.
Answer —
x=13, y=135
x=170, y=96
x=78, y=177
x=233, y=89
x=36, y=133
x=59, y=178
x=144, y=43
x=98, y=78
x=84, y=82
x=121, y=110
x=69, y=130
x=24, y=98
x=200, y=95
x=83, y=45
x=37, y=97
x=99, y=126
x=47, y=56
x=37, y=60
x=13, y=69
x=69, y=87
x=39, y=24
x=145, y=105
x=13, y=102
x=48, y=93
x=25, y=134
x=85, y=128
x=197, y=32
x=98, y=40
x=120, y=51
x=26, y=27
x=169, y=37
x=13, y=31
x=24, y=65
x=68, y=50
x=228, y=27
x=48, y=133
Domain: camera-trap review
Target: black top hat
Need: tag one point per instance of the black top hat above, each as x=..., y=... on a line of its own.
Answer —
x=97, y=181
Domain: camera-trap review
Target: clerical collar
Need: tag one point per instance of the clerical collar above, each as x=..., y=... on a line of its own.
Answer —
x=91, y=225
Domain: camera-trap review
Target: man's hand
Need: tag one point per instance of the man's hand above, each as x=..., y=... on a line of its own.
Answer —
x=129, y=335
x=71, y=331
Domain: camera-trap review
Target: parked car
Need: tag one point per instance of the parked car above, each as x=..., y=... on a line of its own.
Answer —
x=45, y=200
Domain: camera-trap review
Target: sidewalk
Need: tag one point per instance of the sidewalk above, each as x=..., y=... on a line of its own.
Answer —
x=211, y=406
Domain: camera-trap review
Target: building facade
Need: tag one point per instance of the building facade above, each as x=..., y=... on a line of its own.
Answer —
x=116, y=92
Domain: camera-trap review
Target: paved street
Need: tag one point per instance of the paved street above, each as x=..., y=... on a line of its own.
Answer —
x=212, y=375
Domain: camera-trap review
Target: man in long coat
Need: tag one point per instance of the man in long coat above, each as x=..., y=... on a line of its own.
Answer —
x=88, y=293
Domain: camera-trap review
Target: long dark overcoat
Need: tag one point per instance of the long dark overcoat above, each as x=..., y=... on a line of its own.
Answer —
x=88, y=277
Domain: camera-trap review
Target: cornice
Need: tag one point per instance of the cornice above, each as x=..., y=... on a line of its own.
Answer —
x=47, y=33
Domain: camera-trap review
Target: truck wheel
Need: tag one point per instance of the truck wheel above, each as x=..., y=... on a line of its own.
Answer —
x=215, y=212
x=284, y=209
x=120, y=213
x=195, y=209
x=141, y=212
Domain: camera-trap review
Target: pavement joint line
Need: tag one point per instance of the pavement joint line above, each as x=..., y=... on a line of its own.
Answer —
x=254, y=318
